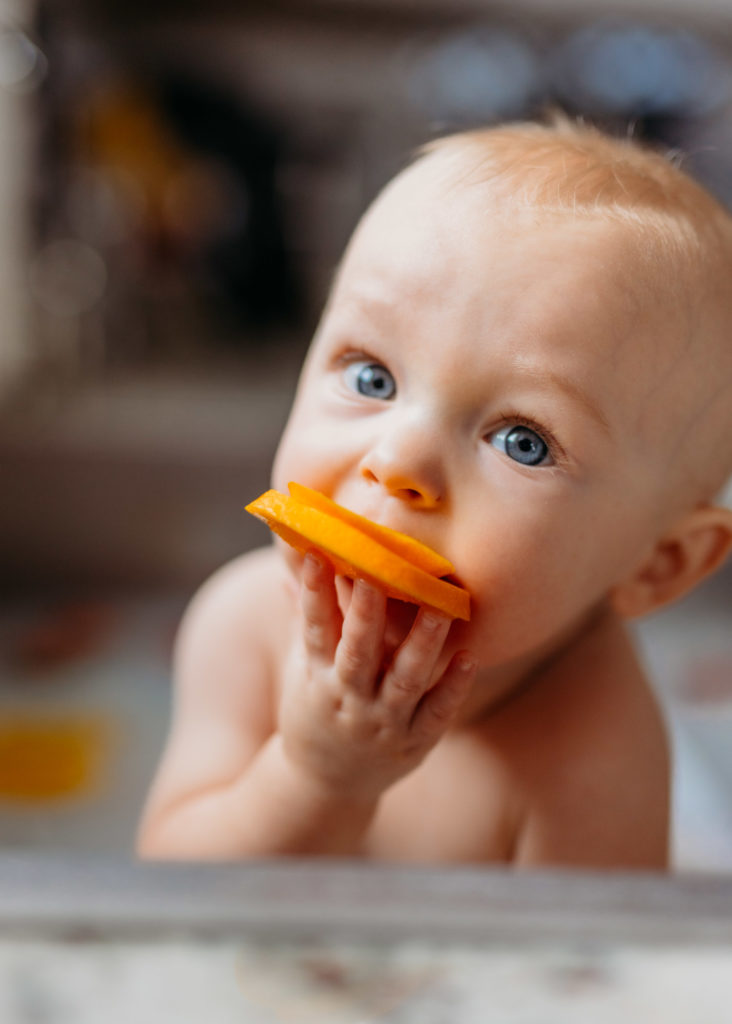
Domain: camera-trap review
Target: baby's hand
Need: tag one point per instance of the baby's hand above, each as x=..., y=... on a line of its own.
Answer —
x=347, y=719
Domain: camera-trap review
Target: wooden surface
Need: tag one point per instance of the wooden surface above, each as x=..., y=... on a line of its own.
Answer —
x=98, y=940
x=44, y=897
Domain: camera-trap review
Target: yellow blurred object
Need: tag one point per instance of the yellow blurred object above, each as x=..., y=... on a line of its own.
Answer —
x=122, y=130
x=46, y=759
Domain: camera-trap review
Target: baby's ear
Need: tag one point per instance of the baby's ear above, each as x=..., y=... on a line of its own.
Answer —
x=692, y=549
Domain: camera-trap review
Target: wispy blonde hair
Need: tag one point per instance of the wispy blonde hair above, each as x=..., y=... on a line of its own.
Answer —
x=566, y=168
x=570, y=164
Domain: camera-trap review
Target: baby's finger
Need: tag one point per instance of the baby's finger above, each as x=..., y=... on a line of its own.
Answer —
x=413, y=665
x=440, y=705
x=322, y=620
x=360, y=651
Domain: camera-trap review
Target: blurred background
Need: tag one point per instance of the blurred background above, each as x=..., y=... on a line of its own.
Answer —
x=177, y=183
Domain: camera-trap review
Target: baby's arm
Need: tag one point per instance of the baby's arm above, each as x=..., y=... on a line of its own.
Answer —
x=225, y=789
x=248, y=773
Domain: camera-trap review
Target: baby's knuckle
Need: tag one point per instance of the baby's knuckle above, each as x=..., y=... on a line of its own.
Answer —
x=336, y=704
x=315, y=634
x=413, y=750
x=405, y=684
x=350, y=661
x=441, y=711
x=383, y=731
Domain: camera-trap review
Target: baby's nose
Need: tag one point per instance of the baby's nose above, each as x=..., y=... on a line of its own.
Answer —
x=407, y=465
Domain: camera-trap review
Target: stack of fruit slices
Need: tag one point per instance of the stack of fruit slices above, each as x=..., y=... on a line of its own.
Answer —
x=359, y=548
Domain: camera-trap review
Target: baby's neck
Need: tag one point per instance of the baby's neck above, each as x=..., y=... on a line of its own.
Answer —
x=497, y=685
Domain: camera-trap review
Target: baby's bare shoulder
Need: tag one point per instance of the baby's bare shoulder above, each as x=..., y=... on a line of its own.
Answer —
x=589, y=759
x=224, y=703
x=234, y=625
x=252, y=577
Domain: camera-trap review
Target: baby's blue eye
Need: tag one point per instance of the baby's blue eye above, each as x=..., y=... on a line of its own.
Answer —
x=522, y=444
x=370, y=379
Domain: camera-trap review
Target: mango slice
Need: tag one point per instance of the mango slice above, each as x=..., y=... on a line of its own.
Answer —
x=306, y=519
x=413, y=550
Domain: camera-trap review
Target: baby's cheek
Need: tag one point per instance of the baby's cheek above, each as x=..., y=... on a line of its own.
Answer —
x=309, y=467
x=517, y=603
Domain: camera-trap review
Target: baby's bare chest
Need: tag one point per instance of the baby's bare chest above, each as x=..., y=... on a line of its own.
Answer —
x=456, y=807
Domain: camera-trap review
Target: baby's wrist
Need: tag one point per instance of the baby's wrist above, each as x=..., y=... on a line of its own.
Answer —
x=328, y=786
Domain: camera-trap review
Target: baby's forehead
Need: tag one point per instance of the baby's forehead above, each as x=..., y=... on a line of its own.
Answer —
x=668, y=248
x=428, y=207
x=666, y=243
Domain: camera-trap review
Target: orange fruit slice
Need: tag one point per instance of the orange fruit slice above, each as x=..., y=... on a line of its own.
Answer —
x=413, y=550
x=390, y=559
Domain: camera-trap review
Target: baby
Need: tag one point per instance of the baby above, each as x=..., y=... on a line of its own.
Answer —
x=524, y=363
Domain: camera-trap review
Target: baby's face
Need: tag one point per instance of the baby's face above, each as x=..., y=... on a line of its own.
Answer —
x=501, y=391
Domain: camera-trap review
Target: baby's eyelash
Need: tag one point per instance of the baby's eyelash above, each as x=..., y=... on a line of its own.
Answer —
x=510, y=419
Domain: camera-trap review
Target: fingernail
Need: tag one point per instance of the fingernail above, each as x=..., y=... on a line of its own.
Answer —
x=466, y=663
x=432, y=621
x=311, y=565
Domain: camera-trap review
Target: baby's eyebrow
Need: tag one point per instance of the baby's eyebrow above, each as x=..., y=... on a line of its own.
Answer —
x=547, y=379
x=373, y=299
